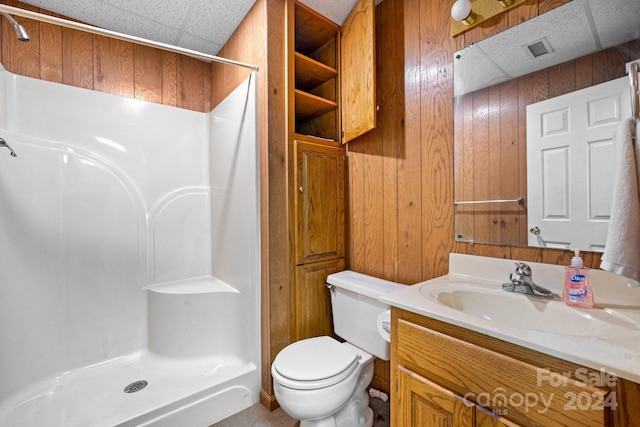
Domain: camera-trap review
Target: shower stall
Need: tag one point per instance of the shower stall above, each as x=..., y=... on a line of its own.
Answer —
x=129, y=258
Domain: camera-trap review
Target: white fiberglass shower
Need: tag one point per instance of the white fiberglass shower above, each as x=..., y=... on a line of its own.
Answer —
x=129, y=258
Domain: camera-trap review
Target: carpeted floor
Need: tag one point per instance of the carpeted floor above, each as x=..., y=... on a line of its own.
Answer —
x=258, y=416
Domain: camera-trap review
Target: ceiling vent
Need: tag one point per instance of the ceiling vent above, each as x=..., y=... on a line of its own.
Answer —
x=538, y=48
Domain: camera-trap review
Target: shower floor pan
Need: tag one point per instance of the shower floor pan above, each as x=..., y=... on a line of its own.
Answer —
x=179, y=392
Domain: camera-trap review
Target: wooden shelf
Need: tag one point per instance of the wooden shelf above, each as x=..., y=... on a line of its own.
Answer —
x=311, y=73
x=309, y=106
x=312, y=29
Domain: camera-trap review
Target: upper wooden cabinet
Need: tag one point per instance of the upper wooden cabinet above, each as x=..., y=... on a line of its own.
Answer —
x=357, y=71
x=334, y=73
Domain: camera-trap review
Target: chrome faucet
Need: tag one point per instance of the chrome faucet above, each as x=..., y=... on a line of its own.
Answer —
x=4, y=143
x=522, y=282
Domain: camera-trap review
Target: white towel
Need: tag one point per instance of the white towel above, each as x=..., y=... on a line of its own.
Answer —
x=622, y=249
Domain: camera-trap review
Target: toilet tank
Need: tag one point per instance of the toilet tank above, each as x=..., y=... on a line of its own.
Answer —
x=355, y=307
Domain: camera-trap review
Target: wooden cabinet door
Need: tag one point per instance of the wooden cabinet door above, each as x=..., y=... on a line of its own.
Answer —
x=311, y=299
x=319, y=202
x=426, y=404
x=485, y=418
x=357, y=71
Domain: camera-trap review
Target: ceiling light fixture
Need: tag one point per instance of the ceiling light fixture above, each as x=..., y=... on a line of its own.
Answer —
x=461, y=11
x=466, y=15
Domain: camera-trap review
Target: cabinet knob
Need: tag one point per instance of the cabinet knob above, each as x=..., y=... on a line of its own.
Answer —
x=300, y=190
x=534, y=230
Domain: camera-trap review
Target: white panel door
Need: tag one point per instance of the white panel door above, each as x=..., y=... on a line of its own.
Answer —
x=571, y=165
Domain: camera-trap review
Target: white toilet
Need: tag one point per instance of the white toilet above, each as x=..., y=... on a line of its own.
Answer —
x=321, y=381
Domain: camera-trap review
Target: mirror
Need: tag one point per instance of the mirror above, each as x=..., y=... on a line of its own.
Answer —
x=587, y=43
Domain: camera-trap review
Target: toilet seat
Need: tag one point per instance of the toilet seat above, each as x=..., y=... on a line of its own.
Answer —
x=314, y=363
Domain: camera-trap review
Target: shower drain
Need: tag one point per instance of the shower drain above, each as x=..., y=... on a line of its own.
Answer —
x=135, y=386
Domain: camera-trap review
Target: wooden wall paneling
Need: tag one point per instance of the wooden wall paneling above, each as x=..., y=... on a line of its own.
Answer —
x=51, y=48
x=21, y=57
x=356, y=258
x=113, y=66
x=481, y=164
x=562, y=79
x=494, y=167
x=530, y=88
x=148, y=73
x=463, y=170
x=409, y=199
x=584, y=72
x=436, y=123
x=511, y=215
x=230, y=74
x=246, y=45
x=77, y=58
x=276, y=294
x=218, y=88
x=373, y=203
x=602, y=61
x=390, y=93
x=169, y=78
x=191, y=83
x=523, y=12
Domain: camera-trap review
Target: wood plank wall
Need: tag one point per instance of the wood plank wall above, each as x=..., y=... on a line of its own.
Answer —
x=490, y=141
x=400, y=201
x=103, y=64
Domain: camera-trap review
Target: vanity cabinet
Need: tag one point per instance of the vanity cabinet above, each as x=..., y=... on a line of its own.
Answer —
x=448, y=375
x=428, y=404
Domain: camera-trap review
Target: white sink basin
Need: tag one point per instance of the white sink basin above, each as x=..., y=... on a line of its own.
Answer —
x=492, y=303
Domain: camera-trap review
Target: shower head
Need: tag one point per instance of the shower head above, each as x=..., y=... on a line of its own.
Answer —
x=19, y=29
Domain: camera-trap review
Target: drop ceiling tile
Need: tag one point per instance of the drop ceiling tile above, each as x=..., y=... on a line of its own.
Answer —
x=215, y=20
x=111, y=18
x=194, y=43
x=616, y=21
x=168, y=12
x=77, y=9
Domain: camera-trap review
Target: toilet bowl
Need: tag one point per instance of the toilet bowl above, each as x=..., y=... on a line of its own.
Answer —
x=322, y=382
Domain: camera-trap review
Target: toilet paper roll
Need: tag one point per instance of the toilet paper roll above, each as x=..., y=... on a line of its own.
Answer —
x=384, y=325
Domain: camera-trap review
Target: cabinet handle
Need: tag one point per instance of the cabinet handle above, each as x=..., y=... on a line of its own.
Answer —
x=300, y=190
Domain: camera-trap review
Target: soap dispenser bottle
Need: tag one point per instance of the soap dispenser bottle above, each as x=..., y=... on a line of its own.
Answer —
x=577, y=288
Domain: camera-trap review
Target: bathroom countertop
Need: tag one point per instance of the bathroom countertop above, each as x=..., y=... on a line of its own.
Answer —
x=618, y=354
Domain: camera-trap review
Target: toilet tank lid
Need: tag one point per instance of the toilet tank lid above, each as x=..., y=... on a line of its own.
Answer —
x=369, y=286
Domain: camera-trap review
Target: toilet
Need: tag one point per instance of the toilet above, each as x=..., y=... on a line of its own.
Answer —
x=321, y=381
